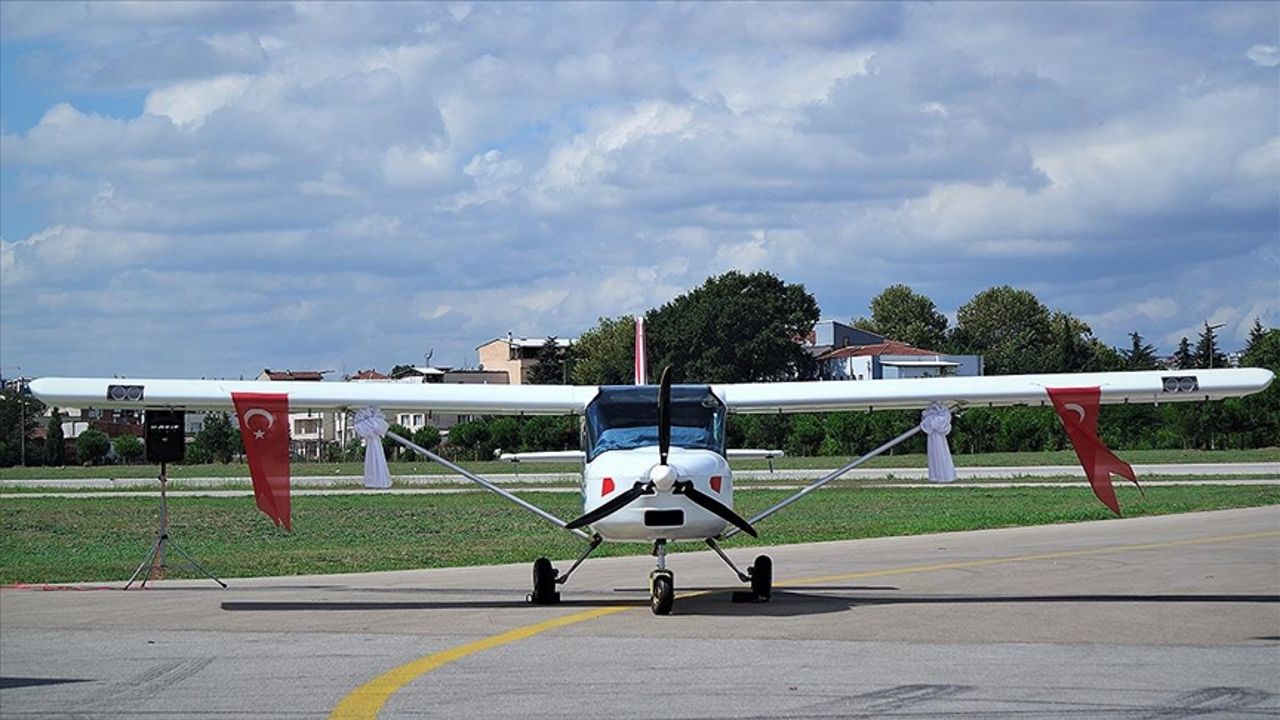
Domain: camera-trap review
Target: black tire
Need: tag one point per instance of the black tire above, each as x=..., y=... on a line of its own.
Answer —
x=664, y=594
x=762, y=578
x=544, y=583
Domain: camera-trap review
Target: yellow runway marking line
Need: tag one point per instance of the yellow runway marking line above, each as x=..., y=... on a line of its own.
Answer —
x=366, y=701
x=966, y=564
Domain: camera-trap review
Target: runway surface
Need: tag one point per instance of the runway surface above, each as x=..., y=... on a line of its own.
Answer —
x=1161, y=617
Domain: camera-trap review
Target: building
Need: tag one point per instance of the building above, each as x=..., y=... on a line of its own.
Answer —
x=891, y=359
x=309, y=431
x=514, y=356
x=844, y=352
x=830, y=335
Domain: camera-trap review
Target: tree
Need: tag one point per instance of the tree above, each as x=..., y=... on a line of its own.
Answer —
x=1010, y=328
x=393, y=449
x=55, y=447
x=1207, y=354
x=552, y=365
x=900, y=313
x=1140, y=355
x=428, y=436
x=470, y=440
x=400, y=371
x=129, y=449
x=92, y=447
x=735, y=328
x=1182, y=357
x=19, y=417
x=1261, y=411
x=218, y=440
x=605, y=354
x=549, y=432
x=1257, y=332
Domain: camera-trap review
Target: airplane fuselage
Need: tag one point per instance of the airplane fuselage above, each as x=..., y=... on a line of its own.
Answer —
x=662, y=515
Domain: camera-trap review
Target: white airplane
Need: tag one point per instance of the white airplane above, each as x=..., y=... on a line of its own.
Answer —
x=655, y=464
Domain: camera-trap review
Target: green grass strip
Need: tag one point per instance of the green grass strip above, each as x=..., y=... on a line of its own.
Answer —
x=301, y=469
x=103, y=539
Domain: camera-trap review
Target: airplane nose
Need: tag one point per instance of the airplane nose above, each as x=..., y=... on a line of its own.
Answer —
x=663, y=477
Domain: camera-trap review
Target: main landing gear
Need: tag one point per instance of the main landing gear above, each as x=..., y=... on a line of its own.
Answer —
x=546, y=577
x=662, y=582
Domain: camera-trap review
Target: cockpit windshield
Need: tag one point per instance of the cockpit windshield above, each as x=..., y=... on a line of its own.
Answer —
x=626, y=417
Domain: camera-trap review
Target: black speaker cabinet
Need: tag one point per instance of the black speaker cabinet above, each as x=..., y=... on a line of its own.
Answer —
x=166, y=435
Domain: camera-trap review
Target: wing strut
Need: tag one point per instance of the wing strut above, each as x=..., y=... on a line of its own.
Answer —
x=488, y=485
x=828, y=478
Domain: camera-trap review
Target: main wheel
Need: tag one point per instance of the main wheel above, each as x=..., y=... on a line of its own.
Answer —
x=664, y=594
x=762, y=578
x=544, y=583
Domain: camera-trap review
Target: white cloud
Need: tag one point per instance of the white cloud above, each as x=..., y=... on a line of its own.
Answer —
x=1264, y=55
x=284, y=172
x=188, y=104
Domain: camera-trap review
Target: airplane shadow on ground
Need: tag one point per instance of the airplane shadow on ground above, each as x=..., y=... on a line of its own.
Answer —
x=716, y=601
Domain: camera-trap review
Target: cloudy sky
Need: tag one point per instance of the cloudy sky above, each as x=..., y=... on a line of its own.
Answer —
x=208, y=189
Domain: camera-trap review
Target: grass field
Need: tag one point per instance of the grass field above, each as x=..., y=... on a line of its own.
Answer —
x=1064, y=457
x=95, y=540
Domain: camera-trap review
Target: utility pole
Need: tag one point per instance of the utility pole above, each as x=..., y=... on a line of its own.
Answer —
x=1207, y=330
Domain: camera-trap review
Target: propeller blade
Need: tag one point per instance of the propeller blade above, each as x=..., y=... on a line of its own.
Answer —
x=610, y=507
x=709, y=503
x=664, y=416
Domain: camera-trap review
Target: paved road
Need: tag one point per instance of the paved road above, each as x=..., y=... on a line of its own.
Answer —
x=1264, y=469
x=1159, y=617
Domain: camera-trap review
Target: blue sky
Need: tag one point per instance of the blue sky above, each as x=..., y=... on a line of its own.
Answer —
x=207, y=189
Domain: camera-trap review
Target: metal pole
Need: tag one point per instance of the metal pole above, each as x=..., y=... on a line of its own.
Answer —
x=828, y=478
x=487, y=485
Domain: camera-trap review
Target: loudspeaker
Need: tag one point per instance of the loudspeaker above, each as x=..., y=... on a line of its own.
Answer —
x=166, y=435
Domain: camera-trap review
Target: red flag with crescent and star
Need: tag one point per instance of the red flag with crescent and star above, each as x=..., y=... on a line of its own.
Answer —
x=264, y=427
x=1078, y=410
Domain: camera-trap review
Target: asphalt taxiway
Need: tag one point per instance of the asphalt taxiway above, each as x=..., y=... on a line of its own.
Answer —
x=1159, y=617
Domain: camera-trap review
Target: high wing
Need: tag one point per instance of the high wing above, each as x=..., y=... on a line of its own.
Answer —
x=216, y=395
x=1153, y=386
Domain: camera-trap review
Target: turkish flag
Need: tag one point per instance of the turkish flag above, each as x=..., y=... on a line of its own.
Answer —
x=264, y=427
x=1078, y=410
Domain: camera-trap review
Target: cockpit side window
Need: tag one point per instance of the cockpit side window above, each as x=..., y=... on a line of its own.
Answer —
x=626, y=417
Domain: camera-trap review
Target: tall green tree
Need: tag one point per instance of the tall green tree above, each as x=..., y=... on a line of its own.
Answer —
x=552, y=366
x=605, y=354
x=19, y=418
x=1259, y=414
x=129, y=449
x=55, y=447
x=1010, y=328
x=1183, y=358
x=92, y=447
x=1207, y=353
x=901, y=313
x=218, y=440
x=735, y=328
x=1140, y=355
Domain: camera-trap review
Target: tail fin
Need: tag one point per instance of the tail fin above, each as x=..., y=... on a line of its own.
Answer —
x=642, y=359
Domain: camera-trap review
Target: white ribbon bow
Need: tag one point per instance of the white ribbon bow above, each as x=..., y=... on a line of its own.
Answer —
x=936, y=423
x=371, y=426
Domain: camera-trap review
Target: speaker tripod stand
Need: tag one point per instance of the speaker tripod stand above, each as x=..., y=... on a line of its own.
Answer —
x=153, y=564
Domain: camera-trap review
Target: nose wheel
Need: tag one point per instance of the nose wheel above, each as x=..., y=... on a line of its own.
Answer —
x=662, y=595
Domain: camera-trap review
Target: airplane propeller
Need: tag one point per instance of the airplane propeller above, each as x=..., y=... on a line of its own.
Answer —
x=707, y=502
x=663, y=477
